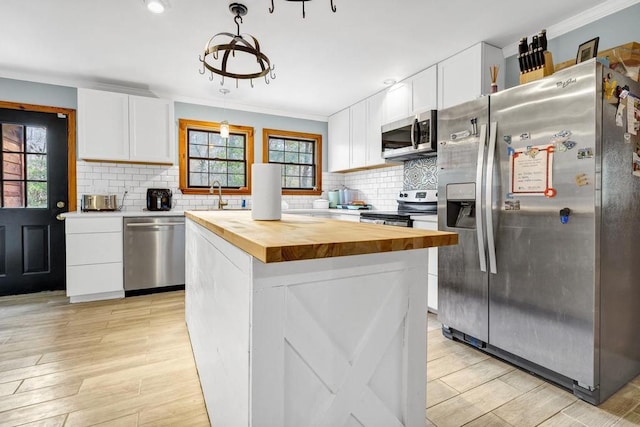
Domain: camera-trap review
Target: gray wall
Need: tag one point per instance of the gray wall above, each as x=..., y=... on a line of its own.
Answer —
x=616, y=29
x=257, y=121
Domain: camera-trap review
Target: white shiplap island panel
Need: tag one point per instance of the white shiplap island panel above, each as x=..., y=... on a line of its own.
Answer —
x=337, y=341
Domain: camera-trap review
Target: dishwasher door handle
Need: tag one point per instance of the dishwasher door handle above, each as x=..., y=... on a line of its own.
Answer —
x=148, y=225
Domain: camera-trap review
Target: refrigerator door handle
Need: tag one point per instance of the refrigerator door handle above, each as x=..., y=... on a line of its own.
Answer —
x=489, y=197
x=479, y=226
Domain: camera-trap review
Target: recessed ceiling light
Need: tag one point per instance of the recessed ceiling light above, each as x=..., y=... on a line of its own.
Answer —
x=156, y=6
x=390, y=82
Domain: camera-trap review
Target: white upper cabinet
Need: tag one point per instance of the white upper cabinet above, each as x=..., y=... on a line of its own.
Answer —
x=375, y=105
x=397, y=103
x=121, y=127
x=339, y=141
x=151, y=136
x=465, y=76
x=424, y=90
x=358, y=154
x=103, y=125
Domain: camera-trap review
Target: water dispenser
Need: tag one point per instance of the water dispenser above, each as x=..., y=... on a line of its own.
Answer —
x=461, y=205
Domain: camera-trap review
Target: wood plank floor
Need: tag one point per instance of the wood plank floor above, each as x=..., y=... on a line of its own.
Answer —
x=124, y=362
x=129, y=363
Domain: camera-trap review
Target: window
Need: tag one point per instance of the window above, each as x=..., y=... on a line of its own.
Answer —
x=24, y=166
x=205, y=157
x=300, y=155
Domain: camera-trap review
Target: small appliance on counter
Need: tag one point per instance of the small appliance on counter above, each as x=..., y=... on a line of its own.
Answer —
x=98, y=202
x=159, y=199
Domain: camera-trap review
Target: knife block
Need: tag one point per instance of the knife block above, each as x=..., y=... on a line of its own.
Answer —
x=545, y=71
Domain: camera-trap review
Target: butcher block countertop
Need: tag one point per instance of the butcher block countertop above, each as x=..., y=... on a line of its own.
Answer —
x=297, y=237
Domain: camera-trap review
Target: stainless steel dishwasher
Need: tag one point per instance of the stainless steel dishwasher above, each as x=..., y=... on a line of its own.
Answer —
x=153, y=252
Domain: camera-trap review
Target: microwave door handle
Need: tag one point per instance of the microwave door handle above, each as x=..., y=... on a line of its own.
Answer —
x=415, y=133
x=479, y=227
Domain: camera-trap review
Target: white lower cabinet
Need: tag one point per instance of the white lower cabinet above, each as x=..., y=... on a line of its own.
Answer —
x=94, y=259
x=432, y=286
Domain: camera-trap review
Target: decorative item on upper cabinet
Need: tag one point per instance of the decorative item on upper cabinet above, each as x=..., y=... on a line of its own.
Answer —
x=493, y=72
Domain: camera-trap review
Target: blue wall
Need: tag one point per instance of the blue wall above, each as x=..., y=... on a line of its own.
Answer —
x=615, y=29
x=19, y=91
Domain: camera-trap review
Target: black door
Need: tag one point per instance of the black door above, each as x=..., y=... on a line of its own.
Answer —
x=33, y=191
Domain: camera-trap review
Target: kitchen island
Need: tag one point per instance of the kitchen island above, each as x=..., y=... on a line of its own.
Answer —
x=308, y=321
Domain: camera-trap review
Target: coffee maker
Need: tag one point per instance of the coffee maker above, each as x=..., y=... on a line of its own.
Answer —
x=159, y=199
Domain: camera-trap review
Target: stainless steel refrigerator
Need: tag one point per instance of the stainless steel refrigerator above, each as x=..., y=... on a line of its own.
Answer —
x=539, y=182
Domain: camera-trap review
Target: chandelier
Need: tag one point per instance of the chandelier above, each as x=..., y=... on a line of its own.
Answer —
x=304, y=15
x=224, y=50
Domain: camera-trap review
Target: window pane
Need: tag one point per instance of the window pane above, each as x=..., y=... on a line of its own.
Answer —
x=236, y=153
x=36, y=167
x=219, y=152
x=292, y=170
x=276, y=156
x=12, y=137
x=306, y=147
x=199, y=166
x=291, y=157
x=236, y=141
x=306, y=182
x=214, y=139
x=218, y=166
x=236, y=181
x=292, y=182
x=292, y=146
x=222, y=178
x=36, y=194
x=235, y=167
x=276, y=144
x=196, y=150
x=196, y=137
x=36, y=140
x=307, y=171
x=13, y=194
x=307, y=159
x=12, y=166
x=198, y=180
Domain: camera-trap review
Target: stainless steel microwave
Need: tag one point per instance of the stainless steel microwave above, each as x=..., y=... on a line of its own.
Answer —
x=410, y=138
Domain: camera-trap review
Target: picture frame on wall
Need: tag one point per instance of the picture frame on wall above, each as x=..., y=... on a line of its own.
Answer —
x=587, y=50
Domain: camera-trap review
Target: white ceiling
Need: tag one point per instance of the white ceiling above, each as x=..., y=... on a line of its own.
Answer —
x=323, y=63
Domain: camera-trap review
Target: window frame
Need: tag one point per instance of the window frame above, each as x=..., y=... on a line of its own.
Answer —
x=315, y=138
x=184, y=125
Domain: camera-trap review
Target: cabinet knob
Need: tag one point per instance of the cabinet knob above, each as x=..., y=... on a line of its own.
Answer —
x=60, y=204
x=59, y=217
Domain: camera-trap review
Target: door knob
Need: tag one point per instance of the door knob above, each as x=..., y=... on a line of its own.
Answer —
x=60, y=204
x=59, y=217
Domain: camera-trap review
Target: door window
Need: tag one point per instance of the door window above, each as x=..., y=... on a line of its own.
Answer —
x=24, y=166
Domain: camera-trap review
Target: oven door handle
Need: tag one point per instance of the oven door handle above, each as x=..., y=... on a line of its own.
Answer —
x=372, y=221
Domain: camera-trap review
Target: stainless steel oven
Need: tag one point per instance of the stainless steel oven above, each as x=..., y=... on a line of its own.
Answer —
x=410, y=203
x=410, y=138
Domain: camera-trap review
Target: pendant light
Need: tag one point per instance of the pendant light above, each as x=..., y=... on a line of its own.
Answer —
x=224, y=125
x=225, y=48
x=304, y=15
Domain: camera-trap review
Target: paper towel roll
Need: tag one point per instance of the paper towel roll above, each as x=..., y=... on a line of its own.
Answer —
x=266, y=183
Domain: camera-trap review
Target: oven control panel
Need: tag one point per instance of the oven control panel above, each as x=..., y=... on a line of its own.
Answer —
x=418, y=196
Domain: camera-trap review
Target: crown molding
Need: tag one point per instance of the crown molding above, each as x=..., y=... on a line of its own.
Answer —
x=579, y=20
